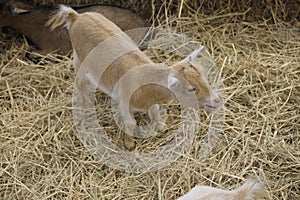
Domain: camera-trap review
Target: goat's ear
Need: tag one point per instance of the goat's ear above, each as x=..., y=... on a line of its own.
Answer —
x=195, y=54
x=18, y=11
x=180, y=66
x=181, y=69
x=172, y=81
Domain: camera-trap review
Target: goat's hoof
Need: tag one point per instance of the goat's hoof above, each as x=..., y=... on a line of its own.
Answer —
x=159, y=126
x=129, y=143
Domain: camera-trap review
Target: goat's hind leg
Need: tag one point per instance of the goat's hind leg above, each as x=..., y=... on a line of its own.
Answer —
x=82, y=82
x=84, y=98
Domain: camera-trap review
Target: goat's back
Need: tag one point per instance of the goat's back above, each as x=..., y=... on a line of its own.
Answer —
x=124, y=18
x=88, y=30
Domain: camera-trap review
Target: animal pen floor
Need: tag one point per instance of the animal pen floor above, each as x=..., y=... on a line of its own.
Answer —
x=43, y=158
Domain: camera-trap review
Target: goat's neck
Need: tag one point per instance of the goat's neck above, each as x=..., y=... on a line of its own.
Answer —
x=162, y=94
x=149, y=95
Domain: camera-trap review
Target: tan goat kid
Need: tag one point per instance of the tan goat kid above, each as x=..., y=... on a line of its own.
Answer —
x=182, y=80
x=250, y=190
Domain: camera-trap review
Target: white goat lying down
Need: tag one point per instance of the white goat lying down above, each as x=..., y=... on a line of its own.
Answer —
x=89, y=29
x=250, y=190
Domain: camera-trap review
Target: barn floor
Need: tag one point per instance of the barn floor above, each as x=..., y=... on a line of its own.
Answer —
x=42, y=156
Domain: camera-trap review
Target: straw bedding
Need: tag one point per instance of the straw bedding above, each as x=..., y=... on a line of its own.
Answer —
x=259, y=61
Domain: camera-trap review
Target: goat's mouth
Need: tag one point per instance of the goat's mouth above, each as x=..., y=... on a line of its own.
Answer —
x=210, y=107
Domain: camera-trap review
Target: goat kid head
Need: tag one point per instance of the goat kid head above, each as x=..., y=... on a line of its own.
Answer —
x=11, y=8
x=194, y=74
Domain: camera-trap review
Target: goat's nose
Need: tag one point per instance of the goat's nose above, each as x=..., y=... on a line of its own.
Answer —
x=217, y=99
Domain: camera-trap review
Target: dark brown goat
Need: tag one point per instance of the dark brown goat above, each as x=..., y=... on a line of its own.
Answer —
x=30, y=21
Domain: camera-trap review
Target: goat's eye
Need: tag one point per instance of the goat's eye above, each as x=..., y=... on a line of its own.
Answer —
x=192, y=89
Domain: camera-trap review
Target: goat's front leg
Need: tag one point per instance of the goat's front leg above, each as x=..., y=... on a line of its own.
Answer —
x=128, y=138
x=155, y=116
x=129, y=125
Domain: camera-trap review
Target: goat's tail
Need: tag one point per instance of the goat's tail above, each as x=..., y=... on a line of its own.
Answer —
x=252, y=189
x=64, y=16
